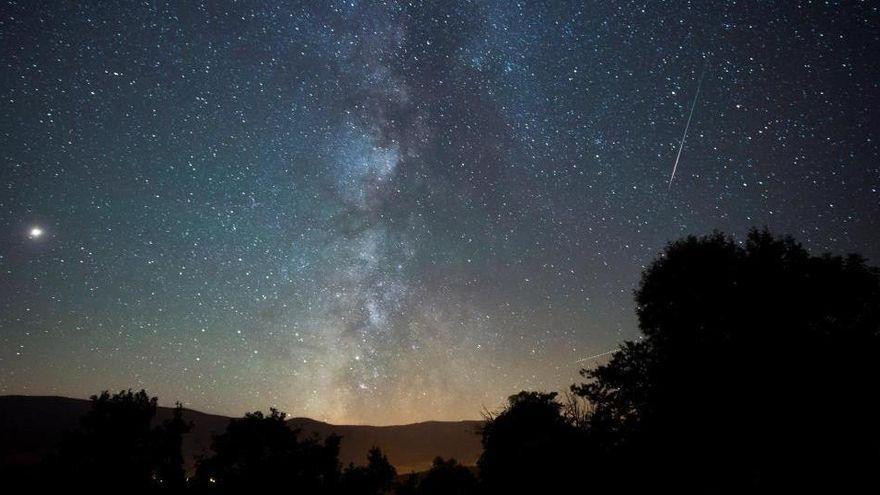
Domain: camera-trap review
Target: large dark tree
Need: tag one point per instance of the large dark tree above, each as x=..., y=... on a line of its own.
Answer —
x=261, y=452
x=118, y=449
x=529, y=447
x=758, y=368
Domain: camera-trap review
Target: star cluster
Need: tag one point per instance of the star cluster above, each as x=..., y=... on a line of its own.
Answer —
x=383, y=212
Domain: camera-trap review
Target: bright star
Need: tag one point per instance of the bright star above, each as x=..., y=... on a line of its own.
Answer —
x=35, y=233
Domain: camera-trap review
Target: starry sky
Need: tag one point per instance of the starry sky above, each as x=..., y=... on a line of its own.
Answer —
x=387, y=212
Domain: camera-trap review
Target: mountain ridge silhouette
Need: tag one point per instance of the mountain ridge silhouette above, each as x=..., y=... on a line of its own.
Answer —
x=33, y=425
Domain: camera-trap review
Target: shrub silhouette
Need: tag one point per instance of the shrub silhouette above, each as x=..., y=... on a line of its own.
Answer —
x=758, y=369
x=530, y=447
x=260, y=452
x=377, y=477
x=448, y=478
x=117, y=448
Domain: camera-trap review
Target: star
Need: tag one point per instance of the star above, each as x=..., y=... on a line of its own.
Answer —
x=412, y=197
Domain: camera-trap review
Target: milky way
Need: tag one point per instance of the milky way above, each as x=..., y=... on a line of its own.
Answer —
x=382, y=212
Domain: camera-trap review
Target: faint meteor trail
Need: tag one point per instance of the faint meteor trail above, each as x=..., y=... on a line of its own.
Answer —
x=605, y=353
x=686, y=127
x=594, y=356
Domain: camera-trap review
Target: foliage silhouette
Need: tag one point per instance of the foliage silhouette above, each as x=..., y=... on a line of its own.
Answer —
x=118, y=448
x=407, y=485
x=448, y=477
x=530, y=447
x=758, y=369
x=377, y=477
x=169, y=450
x=260, y=452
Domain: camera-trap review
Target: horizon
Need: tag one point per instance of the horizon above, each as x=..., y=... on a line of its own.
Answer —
x=288, y=416
x=384, y=214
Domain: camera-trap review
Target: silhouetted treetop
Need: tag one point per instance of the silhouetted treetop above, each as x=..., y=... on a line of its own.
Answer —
x=117, y=448
x=448, y=477
x=260, y=452
x=529, y=446
x=375, y=478
x=757, y=362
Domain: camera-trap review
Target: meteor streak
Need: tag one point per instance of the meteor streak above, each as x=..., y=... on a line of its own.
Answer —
x=686, y=126
x=594, y=356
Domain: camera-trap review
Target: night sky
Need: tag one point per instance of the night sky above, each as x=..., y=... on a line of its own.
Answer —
x=386, y=212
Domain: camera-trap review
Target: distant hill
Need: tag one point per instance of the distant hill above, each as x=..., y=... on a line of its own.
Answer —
x=32, y=426
x=410, y=447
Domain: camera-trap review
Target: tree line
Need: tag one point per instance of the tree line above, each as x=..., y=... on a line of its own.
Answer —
x=756, y=370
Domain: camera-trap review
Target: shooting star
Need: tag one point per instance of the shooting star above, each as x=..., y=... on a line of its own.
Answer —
x=594, y=356
x=686, y=127
x=605, y=353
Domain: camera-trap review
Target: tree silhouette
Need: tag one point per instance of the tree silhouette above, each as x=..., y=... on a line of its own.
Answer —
x=118, y=449
x=758, y=369
x=530, y=447
x=407, y=485
x=260, y=452
x=377, y=477
x=168, y=450
x=448, y=478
